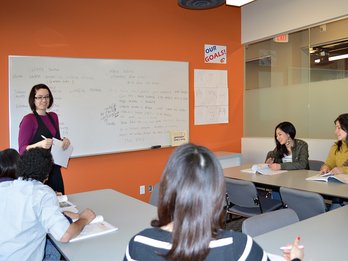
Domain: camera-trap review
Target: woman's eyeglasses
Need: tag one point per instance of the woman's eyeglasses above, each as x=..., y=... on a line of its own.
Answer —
x=40, y=98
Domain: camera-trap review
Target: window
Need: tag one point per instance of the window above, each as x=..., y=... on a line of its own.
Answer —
x=301, y=80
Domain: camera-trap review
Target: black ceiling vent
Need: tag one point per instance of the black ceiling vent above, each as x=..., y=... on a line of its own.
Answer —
x=200, y=4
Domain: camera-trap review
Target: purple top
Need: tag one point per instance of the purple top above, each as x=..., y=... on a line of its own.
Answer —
x=29, y=126
x=2, y=179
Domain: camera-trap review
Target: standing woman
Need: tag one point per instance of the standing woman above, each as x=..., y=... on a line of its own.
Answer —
x=38, y=128
x=337, y=160
x=289, y=153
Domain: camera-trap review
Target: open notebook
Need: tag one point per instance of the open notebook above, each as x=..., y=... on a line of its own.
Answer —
x=328, y=177
x=96, y=228
x=262, y=169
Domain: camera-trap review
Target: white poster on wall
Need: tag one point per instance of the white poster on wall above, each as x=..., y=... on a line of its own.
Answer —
x=211, y=96
x=215, y=53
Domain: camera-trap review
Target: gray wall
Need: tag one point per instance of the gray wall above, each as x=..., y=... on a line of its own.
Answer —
x=263, y=19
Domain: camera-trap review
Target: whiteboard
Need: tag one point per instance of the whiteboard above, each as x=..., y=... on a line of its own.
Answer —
x=105, y=105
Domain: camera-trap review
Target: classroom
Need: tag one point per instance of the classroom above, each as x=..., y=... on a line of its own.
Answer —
x=161, y=30
x=65, y=29
x=122, y=30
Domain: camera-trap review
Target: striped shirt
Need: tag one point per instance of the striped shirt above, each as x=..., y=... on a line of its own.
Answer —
x=229, y=245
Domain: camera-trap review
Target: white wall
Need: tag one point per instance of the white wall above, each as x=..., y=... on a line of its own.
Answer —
x=254, y=150
x=263, y=19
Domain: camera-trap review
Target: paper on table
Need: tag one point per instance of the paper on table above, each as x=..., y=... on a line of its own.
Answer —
x=66, y=205
x=263, y=169
x=96, y=228
x=60, y=156
x=342, y=178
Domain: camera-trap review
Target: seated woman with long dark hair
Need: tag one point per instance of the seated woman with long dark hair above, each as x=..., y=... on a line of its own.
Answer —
x=191, y=215
x=289, y=153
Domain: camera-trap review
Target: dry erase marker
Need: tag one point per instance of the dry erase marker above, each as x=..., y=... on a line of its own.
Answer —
x=289, y=247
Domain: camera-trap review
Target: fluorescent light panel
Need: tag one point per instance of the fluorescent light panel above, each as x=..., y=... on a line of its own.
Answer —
x=338, y=57
x=334, y=58
x=238, y=2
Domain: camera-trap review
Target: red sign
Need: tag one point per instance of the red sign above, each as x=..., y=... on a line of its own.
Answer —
x=282, y=38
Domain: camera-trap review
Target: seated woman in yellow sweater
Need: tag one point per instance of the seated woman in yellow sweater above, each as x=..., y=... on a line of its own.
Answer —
x=337, y=160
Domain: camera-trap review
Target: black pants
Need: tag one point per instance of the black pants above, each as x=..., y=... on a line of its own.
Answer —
x=55, y=179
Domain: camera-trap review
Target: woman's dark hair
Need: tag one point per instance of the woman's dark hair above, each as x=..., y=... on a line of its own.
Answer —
x=343, y=121
x=36, y=164
x=289, y=129
x=33, y=93
x=9, y=159
x=191, y=195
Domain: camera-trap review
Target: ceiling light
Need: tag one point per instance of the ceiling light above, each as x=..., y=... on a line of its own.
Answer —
x=200, y=4
x=238, y=2
x=311, y=50
x=338, y=57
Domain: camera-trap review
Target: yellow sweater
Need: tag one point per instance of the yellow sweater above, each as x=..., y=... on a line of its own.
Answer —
x=338, y=158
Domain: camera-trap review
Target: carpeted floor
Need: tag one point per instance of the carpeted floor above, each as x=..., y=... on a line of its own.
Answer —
x=235, y=224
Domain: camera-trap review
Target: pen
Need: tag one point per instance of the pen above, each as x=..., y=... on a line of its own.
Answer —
x=43, y=137
x=289, y=247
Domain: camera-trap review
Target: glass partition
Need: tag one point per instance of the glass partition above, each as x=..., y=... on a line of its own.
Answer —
x=302, y=79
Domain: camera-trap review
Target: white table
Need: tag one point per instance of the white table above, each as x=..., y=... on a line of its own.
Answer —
x=323, y=236
x=128, y=214
x=291, y=179
x=228, y=159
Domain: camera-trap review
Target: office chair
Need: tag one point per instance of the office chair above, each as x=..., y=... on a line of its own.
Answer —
x=306, y=204
x=315, y=164
x=266, y=222
x=154, y=195
x=243, y=199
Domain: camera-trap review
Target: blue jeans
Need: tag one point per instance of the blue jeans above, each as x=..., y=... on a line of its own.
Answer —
x=51, y=252
x=275, y=195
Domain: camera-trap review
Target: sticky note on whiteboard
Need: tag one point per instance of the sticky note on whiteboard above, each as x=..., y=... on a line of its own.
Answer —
x=178, y=138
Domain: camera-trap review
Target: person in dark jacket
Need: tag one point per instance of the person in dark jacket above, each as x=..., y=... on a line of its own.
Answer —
x=289, y=153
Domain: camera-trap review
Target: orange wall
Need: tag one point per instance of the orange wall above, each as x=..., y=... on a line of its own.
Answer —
x=124, y=29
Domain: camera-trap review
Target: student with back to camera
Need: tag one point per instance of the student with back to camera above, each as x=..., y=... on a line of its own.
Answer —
x=39, y=127
x=30, y=210
x=289, y=153
x=191, y=215
x=9, y=159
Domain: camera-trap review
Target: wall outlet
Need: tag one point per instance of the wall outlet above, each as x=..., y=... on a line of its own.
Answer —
x=142, y=189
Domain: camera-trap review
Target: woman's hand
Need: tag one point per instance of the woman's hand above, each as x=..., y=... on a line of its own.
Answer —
x=274, y=166
x=337, y=170
x=295, y=251
x=324, y=169
x=66, y=143
x=45, y=143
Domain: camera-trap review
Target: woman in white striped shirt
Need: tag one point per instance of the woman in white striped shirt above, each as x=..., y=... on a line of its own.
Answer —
x=191, y=215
